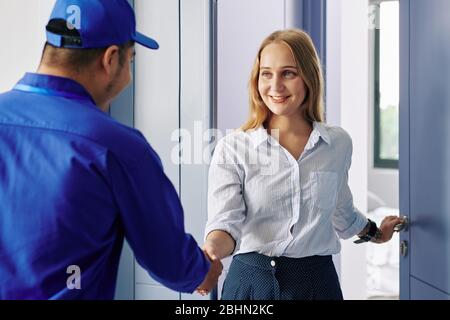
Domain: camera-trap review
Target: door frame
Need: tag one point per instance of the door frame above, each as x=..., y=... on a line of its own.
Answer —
x=404, y=146
x=122, y=109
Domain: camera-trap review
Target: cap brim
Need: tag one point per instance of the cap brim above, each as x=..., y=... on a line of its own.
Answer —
x=146, y=41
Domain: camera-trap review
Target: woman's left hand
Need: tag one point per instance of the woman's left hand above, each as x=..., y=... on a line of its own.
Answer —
x=387, y=228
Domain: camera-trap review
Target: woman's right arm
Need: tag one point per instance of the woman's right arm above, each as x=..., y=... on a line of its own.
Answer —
x=226, y=205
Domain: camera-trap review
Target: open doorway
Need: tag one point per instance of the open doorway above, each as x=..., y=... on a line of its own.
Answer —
x=383, y=175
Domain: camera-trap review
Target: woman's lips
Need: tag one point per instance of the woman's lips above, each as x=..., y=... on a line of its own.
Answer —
x=279, y=99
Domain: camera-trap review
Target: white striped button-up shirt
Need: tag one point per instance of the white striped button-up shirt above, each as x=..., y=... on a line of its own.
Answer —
x=276, y=205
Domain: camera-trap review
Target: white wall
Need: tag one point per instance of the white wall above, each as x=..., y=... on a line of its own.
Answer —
x=195, y=112
x=22, y=35
x=156, y=103
x=242, y=25
x=347, y=106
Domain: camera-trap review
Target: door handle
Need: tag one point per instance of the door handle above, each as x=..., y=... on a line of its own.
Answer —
x=402, y=226
x=404, y=248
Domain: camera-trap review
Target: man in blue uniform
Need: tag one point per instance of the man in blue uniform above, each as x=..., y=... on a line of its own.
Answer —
x=74, y=182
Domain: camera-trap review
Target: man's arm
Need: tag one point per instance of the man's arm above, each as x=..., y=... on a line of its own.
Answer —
x=153, y=222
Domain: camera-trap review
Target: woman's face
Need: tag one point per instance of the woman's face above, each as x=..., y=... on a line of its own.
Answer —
x=280, y=85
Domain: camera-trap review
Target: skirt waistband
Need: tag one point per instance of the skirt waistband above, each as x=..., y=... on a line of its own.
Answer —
x=264, y=262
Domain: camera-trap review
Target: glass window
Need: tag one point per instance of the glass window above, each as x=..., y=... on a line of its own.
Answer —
x=386, y=53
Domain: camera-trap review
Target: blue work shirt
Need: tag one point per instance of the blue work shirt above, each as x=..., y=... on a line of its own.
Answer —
x=74, y=183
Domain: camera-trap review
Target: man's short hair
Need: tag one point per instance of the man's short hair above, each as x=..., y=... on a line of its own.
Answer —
x=75, y=59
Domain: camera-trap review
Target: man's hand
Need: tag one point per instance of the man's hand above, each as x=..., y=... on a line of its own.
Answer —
x=212, y=277
x=387, y=228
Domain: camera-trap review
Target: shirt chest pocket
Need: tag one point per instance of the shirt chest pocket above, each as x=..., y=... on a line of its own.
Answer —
x=324, y=187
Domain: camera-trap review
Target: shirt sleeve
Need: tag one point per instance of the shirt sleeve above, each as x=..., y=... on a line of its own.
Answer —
x=226, y=205
x=153, y=222
x=348, y=221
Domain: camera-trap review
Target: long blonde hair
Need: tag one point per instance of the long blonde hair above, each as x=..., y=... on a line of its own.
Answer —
x=309, y=68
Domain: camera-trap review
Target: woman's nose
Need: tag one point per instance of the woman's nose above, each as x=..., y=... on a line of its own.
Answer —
x=277, y=83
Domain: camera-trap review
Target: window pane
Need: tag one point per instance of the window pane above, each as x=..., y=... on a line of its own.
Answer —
x=389, y=132
x=389, y=80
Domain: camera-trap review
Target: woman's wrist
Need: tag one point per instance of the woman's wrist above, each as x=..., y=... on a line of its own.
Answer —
x=370, y=233
x=220, y=244
x=378, y=237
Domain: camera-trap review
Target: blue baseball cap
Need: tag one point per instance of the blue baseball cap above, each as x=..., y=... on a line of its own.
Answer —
x=89, y=24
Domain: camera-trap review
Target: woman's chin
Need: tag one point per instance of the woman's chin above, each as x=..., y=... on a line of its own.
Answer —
x=282, y=111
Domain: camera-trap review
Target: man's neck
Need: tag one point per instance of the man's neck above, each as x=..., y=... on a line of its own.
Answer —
x=57, y=72
x=83, y=80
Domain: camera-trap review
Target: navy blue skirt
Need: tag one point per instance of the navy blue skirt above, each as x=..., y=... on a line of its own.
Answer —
x=253, y=276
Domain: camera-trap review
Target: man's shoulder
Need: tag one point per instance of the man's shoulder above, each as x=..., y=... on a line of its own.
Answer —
x=74, y=118
x=124, y=141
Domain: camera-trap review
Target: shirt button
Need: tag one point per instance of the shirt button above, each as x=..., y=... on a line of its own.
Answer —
x=272, y=263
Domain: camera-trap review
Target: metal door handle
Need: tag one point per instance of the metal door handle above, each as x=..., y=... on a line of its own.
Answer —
x=404, y=248
x=402, y=226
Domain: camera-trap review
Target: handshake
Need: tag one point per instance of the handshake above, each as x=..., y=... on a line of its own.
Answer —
x=218, y=245
x=212, y=277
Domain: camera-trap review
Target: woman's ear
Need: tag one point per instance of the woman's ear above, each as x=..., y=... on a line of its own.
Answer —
x=110, y=61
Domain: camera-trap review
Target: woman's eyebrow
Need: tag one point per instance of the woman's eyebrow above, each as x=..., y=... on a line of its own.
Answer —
x=285, y=67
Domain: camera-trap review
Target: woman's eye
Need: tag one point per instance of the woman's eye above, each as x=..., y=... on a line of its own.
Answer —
x=290, y=74
x=265, y=75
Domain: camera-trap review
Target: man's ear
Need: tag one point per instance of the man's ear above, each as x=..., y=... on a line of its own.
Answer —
x=110, y=60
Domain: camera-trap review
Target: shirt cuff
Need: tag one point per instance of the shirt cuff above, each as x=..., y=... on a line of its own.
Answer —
x=356, y=227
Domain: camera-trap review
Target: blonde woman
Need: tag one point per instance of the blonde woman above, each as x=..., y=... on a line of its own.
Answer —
x=278, y=197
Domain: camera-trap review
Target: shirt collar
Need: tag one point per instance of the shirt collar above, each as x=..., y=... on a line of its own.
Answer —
x=54, y=86
x=260, y=135
x=321, y=132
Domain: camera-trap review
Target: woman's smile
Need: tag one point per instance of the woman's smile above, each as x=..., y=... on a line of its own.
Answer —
x=279, y=99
